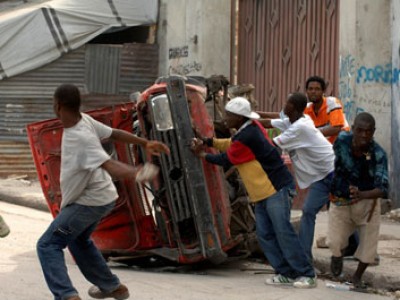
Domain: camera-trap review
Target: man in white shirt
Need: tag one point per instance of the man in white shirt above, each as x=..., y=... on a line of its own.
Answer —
x=88, y=194
x=313, y=160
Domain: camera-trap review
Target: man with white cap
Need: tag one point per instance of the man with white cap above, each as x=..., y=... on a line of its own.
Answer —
x=269, y=184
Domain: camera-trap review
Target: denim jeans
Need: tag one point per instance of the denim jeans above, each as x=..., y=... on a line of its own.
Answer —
x=277, y=237
x=72, y=228
x=317, y=197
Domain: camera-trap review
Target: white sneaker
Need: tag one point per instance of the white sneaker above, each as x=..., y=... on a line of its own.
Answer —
x=279, y=280
x=305, y=282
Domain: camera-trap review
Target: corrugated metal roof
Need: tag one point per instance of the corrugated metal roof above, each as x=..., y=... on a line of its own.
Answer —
x=16, y=159
x=27, y=98
x=139, y=67
x=43, y=81
x=115, y=72
x=102, y=68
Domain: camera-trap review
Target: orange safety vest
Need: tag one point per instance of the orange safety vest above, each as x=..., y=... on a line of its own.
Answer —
x=330, y=114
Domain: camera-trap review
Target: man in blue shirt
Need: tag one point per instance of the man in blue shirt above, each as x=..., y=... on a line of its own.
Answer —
x=361, y=178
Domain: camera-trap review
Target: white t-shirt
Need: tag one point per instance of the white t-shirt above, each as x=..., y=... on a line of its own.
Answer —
x=311, y=153
x=82, y=180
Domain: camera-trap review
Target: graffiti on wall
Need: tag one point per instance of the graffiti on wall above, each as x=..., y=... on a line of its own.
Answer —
x=350, y=76
x=347, y=73
x=351, y=109
x=178, y=52
x=185, y=69
x=376, y=104
x=177, y=67
x=385, y=74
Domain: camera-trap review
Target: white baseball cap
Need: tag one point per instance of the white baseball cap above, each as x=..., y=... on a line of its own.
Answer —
x=241, y=106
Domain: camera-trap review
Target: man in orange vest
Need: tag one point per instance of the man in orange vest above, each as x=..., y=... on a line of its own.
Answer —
x=326, y=112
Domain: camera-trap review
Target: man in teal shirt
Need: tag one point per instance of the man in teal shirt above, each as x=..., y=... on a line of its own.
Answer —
x=361, y=178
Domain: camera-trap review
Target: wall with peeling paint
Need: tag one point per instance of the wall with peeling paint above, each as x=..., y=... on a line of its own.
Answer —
x=194, y=37
x=365, y=62
x=395, y=98
x=368, y=71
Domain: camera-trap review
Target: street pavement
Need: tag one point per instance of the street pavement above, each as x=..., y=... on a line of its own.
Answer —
x=28, y=217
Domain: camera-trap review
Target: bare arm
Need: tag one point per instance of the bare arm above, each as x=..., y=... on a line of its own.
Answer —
x=152, y=147
x=127, y=137
x=266, y=123
x=268, y=114
x=331, y=130
x=371, y=194
x=120, y=170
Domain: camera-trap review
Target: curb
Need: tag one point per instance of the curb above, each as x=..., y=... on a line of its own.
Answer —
x=39, y=204
x=373, y=278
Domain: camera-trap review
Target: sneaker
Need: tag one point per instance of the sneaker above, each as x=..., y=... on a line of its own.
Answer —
x=279, y=280
x=305, y=282
x=120, y=293
x=4, y=229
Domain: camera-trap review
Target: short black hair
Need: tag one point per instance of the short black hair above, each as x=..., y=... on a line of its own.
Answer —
x=365, y=117
x=299, y=101
x=68, y=96
x=318, y=79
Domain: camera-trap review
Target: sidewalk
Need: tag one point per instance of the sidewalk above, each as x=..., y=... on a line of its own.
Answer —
x=385, y=276
x=23, y=192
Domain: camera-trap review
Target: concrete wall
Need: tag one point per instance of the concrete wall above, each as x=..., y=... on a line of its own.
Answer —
x=395, y=157
x=368, y=70
x=194, y=37
x=365, y=62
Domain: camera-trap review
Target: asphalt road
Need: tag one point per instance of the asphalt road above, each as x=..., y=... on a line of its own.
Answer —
x=21, y=277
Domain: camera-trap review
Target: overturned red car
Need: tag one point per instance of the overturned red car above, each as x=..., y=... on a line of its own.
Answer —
x=193, y=211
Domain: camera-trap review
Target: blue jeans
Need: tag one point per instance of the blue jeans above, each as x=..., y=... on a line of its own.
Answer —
x=317, y=197
x=277, y=237
x=72, y=227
